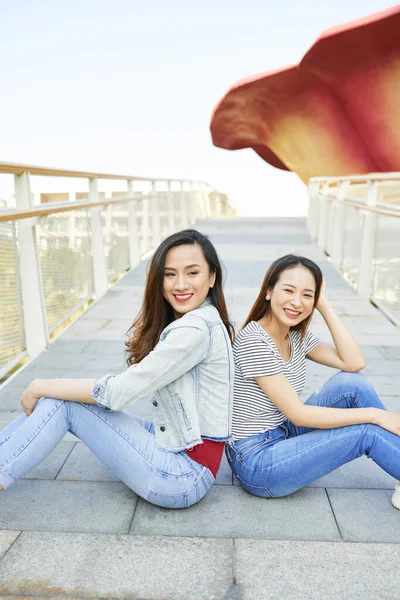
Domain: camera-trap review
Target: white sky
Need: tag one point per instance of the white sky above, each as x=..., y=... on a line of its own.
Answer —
x=128, y=86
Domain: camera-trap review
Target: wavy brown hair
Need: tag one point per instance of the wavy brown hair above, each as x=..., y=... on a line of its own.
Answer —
x=262, y=306
x=156, y=313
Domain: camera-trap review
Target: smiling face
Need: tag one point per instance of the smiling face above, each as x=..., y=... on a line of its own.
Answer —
x=187, y=278
x=292, y=298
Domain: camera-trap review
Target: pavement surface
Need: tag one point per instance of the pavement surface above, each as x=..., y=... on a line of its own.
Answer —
x=71, y=529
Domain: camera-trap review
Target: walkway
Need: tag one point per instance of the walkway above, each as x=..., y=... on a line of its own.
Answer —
x=70, y=529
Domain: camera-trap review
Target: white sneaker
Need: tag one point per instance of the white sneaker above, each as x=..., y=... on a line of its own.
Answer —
x=396, y=496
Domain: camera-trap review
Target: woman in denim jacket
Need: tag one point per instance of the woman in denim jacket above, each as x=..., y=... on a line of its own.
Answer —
x=180, y=356
x=280, y=444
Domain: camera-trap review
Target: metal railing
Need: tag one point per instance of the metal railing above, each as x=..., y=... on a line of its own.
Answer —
x=55, y=258
x=356, y=221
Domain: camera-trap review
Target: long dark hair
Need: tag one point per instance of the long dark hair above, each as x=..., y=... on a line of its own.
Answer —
x=262, y=307
x=156, y=313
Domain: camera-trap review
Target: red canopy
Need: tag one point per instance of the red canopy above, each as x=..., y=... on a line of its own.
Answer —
x=337, y=112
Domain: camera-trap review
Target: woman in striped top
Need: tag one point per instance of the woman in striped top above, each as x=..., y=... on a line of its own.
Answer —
x=280, y=444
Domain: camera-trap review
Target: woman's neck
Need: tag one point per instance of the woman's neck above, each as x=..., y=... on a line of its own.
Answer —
x=276, y=330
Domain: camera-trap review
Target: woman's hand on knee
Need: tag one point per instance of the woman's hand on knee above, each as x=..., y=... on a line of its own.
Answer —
x=388, y=420
x=29, y=398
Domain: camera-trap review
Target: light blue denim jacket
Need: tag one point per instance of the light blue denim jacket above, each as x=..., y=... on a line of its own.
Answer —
x=189, y=377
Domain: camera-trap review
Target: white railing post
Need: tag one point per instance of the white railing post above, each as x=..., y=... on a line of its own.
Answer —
x=364, y=286
x=36, y=330
x=155, y=217
x=145, y=222
x=192, y=204
x=98, y=247
x=338, y=236
x=133, y=237
x=206, y=202
x=313, y=209
x=323, y=198
x=171, y=210
x=218, y=206
x=183, y=207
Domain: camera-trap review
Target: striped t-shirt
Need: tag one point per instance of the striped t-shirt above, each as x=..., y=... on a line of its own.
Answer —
x=256, y=355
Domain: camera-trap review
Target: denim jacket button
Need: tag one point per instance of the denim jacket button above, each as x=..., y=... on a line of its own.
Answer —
x=162, y=428
x=155, y=403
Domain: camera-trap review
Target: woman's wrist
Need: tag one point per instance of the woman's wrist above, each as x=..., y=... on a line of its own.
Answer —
x=375, y=415
x=323, y=305
x=35, y=387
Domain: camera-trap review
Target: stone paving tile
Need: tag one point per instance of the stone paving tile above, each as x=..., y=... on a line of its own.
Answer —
x=374, y=352
x=276, y=570
x=381, y=367
x=352, y=307
x=84, y=328
x=252, y=224
x=50, y=467
x=365, y=515
x=393, y=353
x=83, y=465
x=377, y=340
x=264, y=253
x=371, y=332
x=291, y=238
x=127, y=308
x=392, y=403
x=109, y=334
x=229, y=511
x=378, y=324
x=89, y=360
x=106, y=347
x=374, y=367
x=118, y=566
x=360, y=473
x=260, y=252
x=6, y=539
x=136, y=277
x=61, y=346
x=67, y=506
x=224, y=475
x=10, y=398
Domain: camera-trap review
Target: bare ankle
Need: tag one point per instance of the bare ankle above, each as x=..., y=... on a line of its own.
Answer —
x=1, y=489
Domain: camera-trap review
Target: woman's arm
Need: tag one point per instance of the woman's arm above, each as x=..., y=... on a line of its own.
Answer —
x=74, y=390
x=346, y=355
x=285, y=398
x=186, y=344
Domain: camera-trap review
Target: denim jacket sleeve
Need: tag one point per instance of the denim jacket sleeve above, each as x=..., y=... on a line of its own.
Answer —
x=185, y=344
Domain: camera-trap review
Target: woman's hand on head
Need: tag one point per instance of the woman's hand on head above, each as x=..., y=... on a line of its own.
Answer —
x=322, y=300
x=30, y=398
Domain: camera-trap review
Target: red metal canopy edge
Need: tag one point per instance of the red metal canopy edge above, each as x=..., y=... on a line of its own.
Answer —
x=336, y=112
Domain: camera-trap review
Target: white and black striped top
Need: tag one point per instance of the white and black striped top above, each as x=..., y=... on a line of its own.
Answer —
x=256, y=355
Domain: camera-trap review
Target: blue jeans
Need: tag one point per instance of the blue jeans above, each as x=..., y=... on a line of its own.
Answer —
x=280, y=461
x=121, y=440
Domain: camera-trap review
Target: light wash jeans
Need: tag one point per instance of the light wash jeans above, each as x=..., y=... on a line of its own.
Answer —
x=121, y=440
x=280, y=461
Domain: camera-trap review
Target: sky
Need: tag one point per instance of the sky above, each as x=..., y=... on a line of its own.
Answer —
x=128, y=86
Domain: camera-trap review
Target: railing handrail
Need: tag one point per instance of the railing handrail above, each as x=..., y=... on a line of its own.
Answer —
x=65, y=207
x=394, y=176
x=19, y=169
x=380, y=208
x=361, y=234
